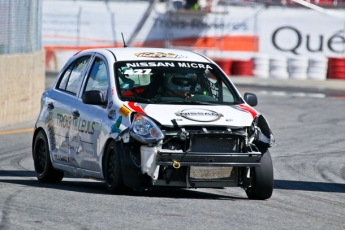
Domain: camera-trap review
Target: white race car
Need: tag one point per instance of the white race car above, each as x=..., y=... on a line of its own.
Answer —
x=143, y=117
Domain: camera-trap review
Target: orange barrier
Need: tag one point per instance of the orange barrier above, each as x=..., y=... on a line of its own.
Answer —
x=336, y=68
x=242, y=68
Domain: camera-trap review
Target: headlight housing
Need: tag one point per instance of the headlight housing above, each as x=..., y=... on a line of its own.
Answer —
x=144, y=130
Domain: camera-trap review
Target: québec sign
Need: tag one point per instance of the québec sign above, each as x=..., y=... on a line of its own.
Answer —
x=335, y=43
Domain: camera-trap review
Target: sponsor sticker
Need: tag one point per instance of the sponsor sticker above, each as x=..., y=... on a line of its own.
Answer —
x=112, y=114
x=124, y=111
x=79, y=124
x=61, y=158
x=110, y=104
x=115, y=128
x=159, y=55
x=202, y=115
x=191, y=65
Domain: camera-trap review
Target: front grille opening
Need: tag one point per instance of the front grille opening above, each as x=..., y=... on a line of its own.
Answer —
x=203, y=139
x=214, y=143
x=175, y=143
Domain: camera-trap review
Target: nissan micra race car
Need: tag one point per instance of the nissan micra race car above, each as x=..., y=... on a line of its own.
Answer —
x=144, y=117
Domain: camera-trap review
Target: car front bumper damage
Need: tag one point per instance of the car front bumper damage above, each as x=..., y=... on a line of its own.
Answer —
x=225, y=156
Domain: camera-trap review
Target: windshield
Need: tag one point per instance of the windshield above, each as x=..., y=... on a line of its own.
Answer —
x=173, y=82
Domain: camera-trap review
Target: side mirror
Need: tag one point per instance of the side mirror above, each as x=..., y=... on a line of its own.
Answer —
x=251, y=99
x=94, y=97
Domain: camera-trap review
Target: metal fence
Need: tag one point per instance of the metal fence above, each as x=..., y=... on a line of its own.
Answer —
x=20, y=26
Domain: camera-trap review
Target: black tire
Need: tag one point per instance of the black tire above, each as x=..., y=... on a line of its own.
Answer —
x=261, y=179
x=44, y=169
x=112, y=170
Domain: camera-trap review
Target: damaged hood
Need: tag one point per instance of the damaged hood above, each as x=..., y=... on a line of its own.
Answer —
x=188, y=115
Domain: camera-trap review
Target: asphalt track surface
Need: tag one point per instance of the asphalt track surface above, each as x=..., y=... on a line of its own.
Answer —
x=309, y=177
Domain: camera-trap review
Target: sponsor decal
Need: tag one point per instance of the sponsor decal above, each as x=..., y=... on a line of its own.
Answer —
x=112, y=114
x=150, y=64
x=76, y=139
x=247, y=109
x=124, y=111
x=202, y=115
x=159, y=55
x=136, y=108
x=64, y=147
x=61, y=158
x=110, y=104
x=194, y=65
x=75, y=144
x=163, y=64
x=51, y=132
x=115, y=128
x=335, y=43
x=79, y=124
x=112, y=91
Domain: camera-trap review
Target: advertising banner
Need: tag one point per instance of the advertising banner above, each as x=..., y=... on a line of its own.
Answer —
x=302, y=32
x=76, y=25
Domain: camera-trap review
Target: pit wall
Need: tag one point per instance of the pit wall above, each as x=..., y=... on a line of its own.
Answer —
x=22, y=84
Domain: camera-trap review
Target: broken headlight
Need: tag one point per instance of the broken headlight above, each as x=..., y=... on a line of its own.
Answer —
x=144, y=130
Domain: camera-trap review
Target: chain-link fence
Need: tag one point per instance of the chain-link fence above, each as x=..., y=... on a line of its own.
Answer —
x=20, y=26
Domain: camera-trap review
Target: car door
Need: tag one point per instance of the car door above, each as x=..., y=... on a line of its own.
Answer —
x=60, y=104
x=85, y=136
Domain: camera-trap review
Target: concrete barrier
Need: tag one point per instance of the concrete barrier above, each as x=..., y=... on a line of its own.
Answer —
x=22, y=84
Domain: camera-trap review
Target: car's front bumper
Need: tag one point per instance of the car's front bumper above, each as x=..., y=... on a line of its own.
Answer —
x=168, y=157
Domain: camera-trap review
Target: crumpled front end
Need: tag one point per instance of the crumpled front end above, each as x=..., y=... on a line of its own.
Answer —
x=202, y=156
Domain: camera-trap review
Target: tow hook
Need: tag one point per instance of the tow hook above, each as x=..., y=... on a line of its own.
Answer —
x=176, y=165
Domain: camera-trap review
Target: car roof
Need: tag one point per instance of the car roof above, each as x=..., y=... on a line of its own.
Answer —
x=150, y=54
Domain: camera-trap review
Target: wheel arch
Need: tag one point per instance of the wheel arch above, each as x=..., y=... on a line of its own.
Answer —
x=48, y=174
x=34, y=137
x=37, y=130
x=131, y=175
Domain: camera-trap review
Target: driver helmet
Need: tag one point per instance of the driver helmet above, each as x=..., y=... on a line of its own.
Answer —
x=179, y=84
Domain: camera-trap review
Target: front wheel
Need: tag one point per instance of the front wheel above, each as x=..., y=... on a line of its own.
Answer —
x=261, y=187
x=45, y=172
x=112, y=169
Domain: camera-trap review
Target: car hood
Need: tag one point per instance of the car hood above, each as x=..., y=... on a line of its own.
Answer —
x=190, y=115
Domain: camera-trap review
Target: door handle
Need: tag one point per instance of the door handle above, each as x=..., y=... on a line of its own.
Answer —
x=76, y=114
x=50, y=105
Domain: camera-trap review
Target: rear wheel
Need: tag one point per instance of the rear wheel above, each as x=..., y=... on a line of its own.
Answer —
x=112, y=172
x=43, y=167
x=261, y=179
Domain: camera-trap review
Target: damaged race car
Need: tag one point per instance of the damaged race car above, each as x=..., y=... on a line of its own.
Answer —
x=147, y=117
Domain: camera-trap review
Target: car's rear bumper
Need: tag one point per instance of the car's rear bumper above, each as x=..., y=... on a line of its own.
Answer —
x=167, y=158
